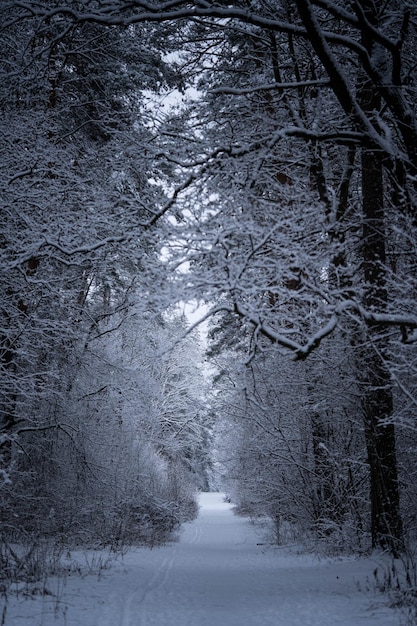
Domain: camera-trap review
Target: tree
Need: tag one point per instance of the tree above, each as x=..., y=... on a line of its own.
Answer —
x=78, y=257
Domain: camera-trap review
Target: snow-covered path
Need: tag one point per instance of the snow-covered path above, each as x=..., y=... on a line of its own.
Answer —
x=217, y=575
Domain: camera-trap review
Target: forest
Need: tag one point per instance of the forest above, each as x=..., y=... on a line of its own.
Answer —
x=254, y=161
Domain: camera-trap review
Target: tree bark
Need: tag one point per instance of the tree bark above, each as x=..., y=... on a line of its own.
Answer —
x=377, y=400
x=377, y=407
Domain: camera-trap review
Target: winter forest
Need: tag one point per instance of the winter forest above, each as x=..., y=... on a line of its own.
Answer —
x=253, y=162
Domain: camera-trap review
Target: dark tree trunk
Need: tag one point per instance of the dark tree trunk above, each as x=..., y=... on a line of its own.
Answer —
x=386, y=523
x=377, y=401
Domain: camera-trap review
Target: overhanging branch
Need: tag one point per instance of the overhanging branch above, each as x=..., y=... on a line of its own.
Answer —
x=302, y=351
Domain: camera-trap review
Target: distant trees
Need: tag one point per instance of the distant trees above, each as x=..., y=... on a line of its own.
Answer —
x=291, y=446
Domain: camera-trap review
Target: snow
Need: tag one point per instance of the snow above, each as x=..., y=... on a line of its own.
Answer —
x=220, y=572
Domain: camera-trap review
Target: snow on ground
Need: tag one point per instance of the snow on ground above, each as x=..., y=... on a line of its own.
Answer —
x=216, y=575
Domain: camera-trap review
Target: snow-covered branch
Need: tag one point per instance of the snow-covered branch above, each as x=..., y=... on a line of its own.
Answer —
x=269, y=87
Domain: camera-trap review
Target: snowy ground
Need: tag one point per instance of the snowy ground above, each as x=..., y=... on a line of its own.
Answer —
x=216, y=575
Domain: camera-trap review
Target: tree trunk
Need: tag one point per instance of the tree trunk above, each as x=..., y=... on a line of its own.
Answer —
x=386, y=523
x=377, y=401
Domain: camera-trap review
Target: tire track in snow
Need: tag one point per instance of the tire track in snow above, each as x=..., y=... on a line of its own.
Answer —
x=130, y=609
x=197, y=532
x=169, y=565
x=191, y=535
x=136, y=601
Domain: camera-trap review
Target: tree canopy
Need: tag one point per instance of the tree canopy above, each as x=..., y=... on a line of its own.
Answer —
x=256, y=156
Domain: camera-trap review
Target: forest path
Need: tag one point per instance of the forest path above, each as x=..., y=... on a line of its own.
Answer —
x=217, y=574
